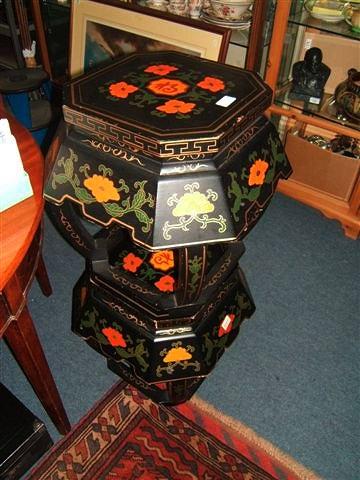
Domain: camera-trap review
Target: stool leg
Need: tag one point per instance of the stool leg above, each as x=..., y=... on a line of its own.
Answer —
x=42, y=277
x=24, y=343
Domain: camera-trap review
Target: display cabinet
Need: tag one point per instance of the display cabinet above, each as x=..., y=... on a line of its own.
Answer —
x=56, y=20
x=295, y=30
x=16, y=28
x=248, y=46
x=52, y=22
x=250, y=38
x=47, y=22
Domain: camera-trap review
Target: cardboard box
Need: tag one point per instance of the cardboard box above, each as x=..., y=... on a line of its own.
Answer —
x=321, y=169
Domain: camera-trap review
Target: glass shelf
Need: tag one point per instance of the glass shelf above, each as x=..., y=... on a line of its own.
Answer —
x=58, y=3
x=303, y=18
x=325, y=110
x=240, y=38
x=56, y=18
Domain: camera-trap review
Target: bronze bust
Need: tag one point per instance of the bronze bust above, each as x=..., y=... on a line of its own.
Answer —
x=309, y=77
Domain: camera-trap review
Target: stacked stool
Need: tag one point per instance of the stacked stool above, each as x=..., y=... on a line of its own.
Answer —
x=172, y=157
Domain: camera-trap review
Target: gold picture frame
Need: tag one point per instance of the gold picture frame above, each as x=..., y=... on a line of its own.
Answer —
x=106, y=29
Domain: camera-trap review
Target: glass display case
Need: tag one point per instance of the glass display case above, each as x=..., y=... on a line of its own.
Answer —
x=333, y=39
x=56, y=21
x=296, y=29
x=250, y=37
x=10, y=33
x=248, y=46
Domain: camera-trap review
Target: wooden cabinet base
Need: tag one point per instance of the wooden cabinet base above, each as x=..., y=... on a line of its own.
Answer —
x=331, y=207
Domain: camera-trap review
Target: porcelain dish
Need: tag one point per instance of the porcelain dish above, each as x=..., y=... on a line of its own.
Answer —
x=230, y=10
x=330, y=11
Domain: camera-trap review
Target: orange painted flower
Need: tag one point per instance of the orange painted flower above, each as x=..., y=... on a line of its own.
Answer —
x=160, y=69
x=168, y=87
x=165, y=284
x=176, y=106
x=122, y=89
x=131, y=262
x=212, y=84
x=163, y=260
x=178, y=354
x=257, y=172
x=102, y=188
x=114, y=337
x=226, y=325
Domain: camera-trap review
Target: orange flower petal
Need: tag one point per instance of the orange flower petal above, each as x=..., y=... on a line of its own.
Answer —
x=176, y=106
x=257, y=172
x=114, y=337
x=168, y=87
x=165, y=284
x=122, y=89
x=212, y=84
x=131, y=262
x=160, y=69
x=102, y=188
x=162, y=260
x=178, y=354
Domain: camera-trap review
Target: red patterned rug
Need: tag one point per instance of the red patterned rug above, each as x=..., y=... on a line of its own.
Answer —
x=127, y=436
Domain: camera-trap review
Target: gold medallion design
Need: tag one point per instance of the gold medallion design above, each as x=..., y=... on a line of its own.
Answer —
x=193, y=206
x=177, y=356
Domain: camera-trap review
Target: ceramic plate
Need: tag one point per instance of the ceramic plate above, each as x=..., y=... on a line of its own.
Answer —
x=242, y=24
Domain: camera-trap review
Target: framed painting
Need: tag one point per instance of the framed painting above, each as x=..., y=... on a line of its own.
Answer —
x=107, y=29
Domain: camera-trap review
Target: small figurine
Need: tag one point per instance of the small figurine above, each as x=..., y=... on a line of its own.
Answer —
x=309, y=77
x=29, y=55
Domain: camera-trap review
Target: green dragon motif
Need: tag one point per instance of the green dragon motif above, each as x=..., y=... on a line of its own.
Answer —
x=130, y=204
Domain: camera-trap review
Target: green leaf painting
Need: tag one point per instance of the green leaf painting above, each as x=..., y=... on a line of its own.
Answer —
x=102, y=188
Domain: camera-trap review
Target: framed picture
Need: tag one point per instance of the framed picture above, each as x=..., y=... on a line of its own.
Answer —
x=107, y=29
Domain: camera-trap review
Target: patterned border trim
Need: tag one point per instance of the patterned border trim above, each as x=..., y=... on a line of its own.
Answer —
x=250, y=436
x=121, y=403
x=162, y=149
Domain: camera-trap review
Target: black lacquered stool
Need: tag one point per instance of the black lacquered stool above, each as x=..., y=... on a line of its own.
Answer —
x=172, y=156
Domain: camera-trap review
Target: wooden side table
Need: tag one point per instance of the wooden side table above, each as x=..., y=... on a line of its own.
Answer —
x=20, y=261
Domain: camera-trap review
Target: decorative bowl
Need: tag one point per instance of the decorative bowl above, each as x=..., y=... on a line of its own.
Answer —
x=228, y=9
x=352, y=17
x=157, y=4
x=331, y=11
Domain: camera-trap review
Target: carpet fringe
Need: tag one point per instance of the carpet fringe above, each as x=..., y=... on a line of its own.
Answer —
x=250, y=435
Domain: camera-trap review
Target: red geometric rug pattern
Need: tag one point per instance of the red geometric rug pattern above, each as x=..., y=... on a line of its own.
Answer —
x=126, y=436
